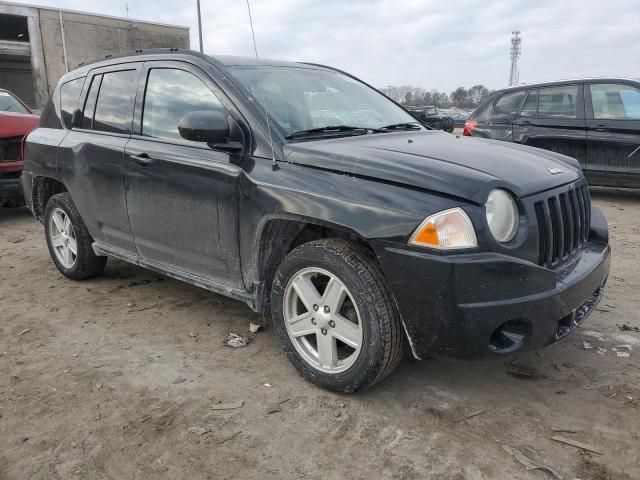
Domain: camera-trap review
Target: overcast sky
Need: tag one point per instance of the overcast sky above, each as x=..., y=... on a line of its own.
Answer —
x=428, y=43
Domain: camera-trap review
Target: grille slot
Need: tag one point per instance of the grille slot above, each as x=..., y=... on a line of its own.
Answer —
x=564, y=220
x=10, y=149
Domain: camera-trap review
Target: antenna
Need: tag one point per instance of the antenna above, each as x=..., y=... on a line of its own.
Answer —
x=126, y=7
x=274, y=164
x=200, y=27
x=514, y=74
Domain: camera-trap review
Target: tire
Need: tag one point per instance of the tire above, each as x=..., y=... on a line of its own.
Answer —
x=85, y=263
x=367, y=305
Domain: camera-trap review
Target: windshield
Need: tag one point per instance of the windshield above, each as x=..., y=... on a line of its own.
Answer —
x=8, y=103
x=301, y=98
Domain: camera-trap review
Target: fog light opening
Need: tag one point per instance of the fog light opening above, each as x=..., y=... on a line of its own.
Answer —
x=566, y=325
x=510, y=337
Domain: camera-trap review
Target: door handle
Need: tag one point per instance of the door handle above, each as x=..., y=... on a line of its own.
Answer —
x=525, y=122
x=143, y=159
x=600, y=128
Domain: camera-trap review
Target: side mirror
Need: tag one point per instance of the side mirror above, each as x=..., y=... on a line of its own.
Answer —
x=207, y=126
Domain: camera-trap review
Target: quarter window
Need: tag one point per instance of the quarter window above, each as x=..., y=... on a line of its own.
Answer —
x=558, y=101
x=510, y=103
x=114, y=108
x=615, y=102
x=170, y=95
x=69, y=95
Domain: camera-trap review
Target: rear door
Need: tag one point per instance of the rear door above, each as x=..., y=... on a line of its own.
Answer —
x=613, y=136
x=91, y=156
x=553, y=118
x=505, y=109
x=182, y=196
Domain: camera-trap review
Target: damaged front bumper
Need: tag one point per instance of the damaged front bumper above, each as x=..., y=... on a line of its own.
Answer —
x=487, y=304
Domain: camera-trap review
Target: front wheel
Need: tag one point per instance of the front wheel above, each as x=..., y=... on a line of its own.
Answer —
x=334, y=316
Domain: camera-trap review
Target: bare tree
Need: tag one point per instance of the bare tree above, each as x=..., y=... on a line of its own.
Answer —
x=477, y=93
x=459, y=96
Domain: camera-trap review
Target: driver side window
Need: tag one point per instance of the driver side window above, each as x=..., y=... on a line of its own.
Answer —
x=170, y=95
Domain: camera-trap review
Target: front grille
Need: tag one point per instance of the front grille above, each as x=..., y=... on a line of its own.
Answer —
x=564, y=220
x=10, y=149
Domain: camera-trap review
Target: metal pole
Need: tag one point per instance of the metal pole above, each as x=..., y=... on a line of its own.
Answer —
x=200, y=27
x=64, y=45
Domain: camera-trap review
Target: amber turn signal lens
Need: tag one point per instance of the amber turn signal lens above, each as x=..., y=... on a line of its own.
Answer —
x=447, y=230
x=428, y=235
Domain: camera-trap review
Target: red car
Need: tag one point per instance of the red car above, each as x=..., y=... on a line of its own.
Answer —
x=16, y=121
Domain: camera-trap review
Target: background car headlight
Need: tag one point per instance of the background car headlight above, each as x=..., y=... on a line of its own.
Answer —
x=502, y=215
x=447, y=230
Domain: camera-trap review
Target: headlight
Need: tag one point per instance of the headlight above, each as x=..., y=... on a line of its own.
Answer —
x=451, y=229
x=502, y=215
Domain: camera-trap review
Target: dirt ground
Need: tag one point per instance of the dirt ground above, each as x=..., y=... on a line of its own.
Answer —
x=119, y=378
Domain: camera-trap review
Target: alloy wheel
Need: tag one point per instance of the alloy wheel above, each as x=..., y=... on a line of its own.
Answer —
x=322, y=320
x=63, y=238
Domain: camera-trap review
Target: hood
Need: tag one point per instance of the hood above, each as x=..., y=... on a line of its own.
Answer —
x=14, y=124
x=463, y=167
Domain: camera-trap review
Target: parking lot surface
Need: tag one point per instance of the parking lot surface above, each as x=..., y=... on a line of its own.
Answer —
x=126, y=376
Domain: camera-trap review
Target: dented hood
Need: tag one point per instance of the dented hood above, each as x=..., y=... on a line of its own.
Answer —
x=432, y=160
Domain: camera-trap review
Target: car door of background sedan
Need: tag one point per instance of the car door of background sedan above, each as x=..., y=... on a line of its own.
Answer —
x=504, y=112
x=613, y=136
x=182, y=196
x=552, y=118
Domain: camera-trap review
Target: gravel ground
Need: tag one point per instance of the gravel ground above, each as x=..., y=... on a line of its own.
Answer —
x=126, y=377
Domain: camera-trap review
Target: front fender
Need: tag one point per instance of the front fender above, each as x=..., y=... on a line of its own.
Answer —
x=364, y=208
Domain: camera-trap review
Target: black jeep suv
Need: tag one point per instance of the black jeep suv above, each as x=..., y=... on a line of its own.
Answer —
x=596, y=121
x=431, y=117
x=303, y=191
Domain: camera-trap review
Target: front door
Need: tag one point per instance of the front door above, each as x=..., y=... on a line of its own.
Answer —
x=182, y=196
x=613, y=136
x=91, y=156
x=552, y=118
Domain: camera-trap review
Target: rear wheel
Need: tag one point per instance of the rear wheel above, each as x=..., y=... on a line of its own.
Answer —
x=69, y=240
x=334, y=316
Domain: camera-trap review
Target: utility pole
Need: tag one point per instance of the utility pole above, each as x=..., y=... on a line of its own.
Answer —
x=514, y=75
x=200, y=27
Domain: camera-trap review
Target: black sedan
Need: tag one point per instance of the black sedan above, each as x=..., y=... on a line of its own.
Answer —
x=596, y=121
x=430, y=116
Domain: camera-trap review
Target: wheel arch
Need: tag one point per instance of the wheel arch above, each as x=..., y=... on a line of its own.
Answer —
x=43, y=189
x=280, y=235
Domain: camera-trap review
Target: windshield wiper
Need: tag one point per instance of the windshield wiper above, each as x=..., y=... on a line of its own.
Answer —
x=8, y=108
x=331, y=129
x=402, y=126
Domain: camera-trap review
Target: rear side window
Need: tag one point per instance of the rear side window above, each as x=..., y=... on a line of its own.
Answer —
x=171, y=94
x=615, y=102
x=114, y=108
x=510, y=103
x=69, y=95
x=558, y=101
